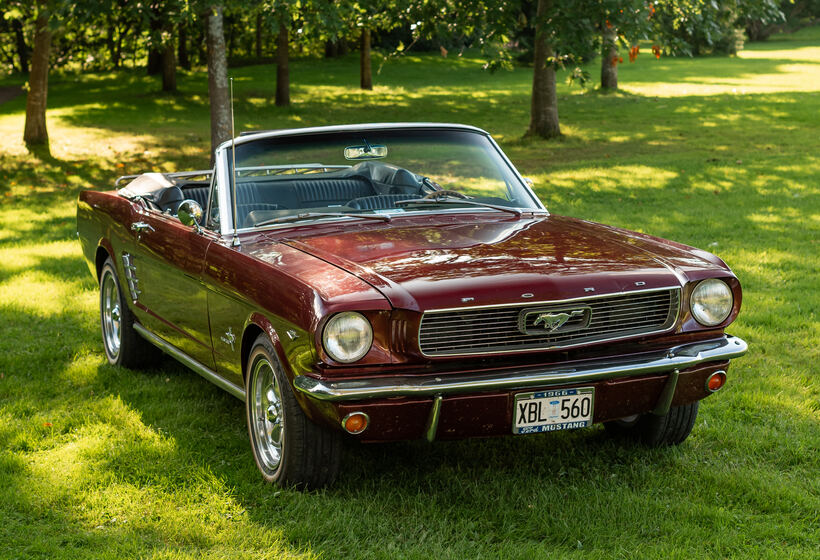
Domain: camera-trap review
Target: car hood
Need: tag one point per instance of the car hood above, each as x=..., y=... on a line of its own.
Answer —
x=459, y=260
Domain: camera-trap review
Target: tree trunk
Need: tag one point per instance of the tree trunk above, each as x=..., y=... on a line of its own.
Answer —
x=35, y=132
x=282, y=71
x=154, y=66
x=609, y=59
x=544, y=112
x=111, y=42
x=259, y=35
x=342, y=46
x=22, y=48
x=182, y=49
x=134, y=45
x=331, y=45
x=218, y=94
x=364, y=61
x=169, y=67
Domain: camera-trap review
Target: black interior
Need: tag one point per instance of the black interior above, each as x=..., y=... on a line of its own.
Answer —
x=199, y=193
x=368, y=185
x=365, y=186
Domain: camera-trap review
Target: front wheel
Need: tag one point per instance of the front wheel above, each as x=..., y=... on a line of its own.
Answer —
x=657, y=431
x=123, y=345
x=288, y=448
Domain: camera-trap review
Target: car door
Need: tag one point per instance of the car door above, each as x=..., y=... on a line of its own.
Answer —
x=168, y=265
x=227, y=311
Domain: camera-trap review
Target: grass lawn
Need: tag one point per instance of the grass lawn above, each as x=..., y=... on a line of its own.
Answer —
x=720, y=153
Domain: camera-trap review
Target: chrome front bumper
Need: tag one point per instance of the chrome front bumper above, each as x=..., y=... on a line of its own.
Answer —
x=676, y=358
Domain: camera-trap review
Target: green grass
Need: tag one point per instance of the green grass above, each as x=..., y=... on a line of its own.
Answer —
x=720, y=153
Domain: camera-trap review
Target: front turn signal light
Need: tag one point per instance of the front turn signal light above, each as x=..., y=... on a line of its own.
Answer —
x=716, y=381
x=355, y=422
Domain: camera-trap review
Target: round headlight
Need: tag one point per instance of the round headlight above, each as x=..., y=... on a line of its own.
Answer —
x=711, y=302
x=347, y=337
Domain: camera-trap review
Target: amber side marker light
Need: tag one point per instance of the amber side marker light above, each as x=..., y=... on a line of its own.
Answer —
x=715, y=381
x=355, y=422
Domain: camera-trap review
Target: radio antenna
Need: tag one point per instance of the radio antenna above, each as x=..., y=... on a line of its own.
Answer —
x=235, y=242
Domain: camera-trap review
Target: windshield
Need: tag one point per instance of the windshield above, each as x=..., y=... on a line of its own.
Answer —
x=371, y=172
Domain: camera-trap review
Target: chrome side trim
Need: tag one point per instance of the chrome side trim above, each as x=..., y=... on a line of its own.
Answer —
x=181, y=356
x=679, y=357
x=432, y=420
x=130, y=270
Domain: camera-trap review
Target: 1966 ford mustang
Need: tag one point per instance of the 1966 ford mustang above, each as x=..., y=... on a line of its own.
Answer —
x=401, y=281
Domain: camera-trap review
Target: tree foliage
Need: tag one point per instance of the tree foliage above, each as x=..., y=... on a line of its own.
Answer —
x=693, y=27
x=162, y=34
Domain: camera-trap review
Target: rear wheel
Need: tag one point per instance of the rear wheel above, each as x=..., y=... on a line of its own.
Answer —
x=123, y=346
x=288, y=448
x=657, y=431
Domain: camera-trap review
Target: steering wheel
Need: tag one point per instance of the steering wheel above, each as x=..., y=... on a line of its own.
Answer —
x=445, y=192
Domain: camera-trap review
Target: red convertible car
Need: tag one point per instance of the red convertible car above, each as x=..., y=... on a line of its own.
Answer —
x=400, y=281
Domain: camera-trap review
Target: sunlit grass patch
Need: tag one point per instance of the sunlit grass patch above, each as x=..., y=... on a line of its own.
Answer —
x=101, y=462
x=17, y=258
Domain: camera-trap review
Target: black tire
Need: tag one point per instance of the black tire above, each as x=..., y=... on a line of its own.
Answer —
x=289, y=449
x=122, y=345
x=657, y=431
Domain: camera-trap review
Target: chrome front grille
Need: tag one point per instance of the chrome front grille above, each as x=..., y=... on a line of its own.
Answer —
x=513, y=328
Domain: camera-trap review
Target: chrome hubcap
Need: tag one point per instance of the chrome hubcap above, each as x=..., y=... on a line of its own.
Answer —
x=266, y=414
x=111, y=317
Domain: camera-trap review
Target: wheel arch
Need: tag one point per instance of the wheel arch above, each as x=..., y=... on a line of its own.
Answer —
x=255, y=325
x=103, y=252
x=316, y=411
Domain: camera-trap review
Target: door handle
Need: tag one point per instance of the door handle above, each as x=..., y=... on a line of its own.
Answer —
x=141, y=227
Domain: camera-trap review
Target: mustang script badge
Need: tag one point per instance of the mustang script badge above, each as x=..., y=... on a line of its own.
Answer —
x=539, y=321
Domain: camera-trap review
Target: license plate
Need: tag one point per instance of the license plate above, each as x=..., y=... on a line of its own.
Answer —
x=548, y=411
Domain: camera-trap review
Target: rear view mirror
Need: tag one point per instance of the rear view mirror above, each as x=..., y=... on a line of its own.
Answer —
x=367, y=151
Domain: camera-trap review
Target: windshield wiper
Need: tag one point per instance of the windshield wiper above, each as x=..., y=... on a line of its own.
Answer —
x=455, y=200
x=312, y=215
x=297, y=169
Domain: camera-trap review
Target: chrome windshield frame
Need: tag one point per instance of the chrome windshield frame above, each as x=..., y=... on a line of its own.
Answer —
x=222, y=166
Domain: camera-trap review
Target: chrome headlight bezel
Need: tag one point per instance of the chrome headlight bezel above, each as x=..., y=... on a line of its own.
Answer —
x=352, y=324
x=711, y=302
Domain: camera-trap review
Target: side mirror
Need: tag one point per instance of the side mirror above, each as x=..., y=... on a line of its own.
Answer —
x=190, y=213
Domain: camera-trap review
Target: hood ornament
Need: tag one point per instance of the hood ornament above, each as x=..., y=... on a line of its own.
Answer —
x=553, y=321
x=541, y=321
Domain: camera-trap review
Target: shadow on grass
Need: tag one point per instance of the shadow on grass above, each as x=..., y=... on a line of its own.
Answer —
x=168, y=431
